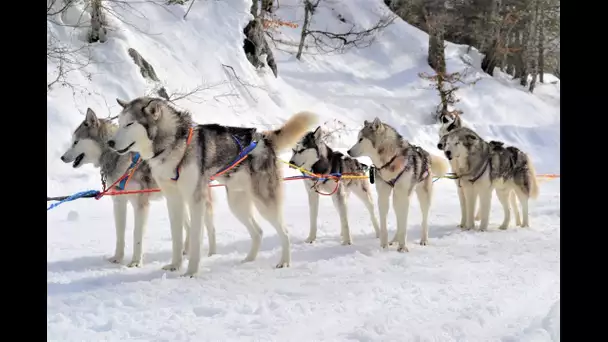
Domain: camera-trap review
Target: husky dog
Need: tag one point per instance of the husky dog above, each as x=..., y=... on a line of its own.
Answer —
x=312, y=154
x=184, y=156
x=450, y=122
x=400, y=166
x=89, y=146
x=482, y=167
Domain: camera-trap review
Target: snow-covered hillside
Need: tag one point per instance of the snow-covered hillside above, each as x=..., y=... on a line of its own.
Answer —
x=464, y=286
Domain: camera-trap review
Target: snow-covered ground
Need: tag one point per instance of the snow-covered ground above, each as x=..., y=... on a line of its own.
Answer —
x=464, y=286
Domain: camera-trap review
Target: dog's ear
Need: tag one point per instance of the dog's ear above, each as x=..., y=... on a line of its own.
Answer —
x=122, y=103
x=153, y=109
x=366, y=123
x=90, y=118
x=376, y=123
x=318, y=134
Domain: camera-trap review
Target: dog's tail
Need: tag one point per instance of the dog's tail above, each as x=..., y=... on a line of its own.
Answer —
x=439, y=166
x=533, y=180
x=292, y=131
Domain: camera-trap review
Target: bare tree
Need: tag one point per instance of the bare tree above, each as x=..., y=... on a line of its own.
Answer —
x=446, y=85
x=328, y=42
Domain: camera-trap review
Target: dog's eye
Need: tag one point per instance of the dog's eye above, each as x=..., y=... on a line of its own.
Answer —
x=360, y=139
x=129, y=124
x=75, y=142
x=445, y=120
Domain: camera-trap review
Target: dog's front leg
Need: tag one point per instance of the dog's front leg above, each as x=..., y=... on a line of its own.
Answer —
x=384, y=192
x=470, y=199
x=140, y=212
x=463, y=205
x=197, y=211
x=209, y=224
x=313, y=211
x=485, y=199
x=186, y=229
x=339, y=200
x=175, y=204
x=401, y=205
x=120, y=222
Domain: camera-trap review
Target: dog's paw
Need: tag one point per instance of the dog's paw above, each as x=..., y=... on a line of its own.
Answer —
x=402, y=249
x=424, y=242
x=211, y=253
x=503, y=227
x=377, y=235
x=117, y=259
x=189, y=274
x=135, y=263
x=347, y=243
x=310, y=239
x=525, y=225
x=247, y=259
x=282, y=264
x=172, y=267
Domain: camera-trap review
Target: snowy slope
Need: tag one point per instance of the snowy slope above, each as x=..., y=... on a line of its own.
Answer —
x=464, y=286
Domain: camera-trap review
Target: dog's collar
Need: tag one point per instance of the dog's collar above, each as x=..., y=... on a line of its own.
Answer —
x=130, y=171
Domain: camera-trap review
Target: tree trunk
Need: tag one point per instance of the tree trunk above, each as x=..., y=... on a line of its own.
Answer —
x=436, y=54
x=308, y=7
x=98, y=32
x=541, y=45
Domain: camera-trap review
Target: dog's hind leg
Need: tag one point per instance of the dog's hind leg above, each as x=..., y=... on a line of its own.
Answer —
x=270, y=209
x=401, y=205
x=503, y=198
x=210, y=224
x=241, y=205
x=313, y=212
x=523, y=199
x=515, y=207
x=384, y=192
x=363, y=193
x=478, y=214
x=424, y=192
x=120, y=221
x=339, y=199
x=141, y=209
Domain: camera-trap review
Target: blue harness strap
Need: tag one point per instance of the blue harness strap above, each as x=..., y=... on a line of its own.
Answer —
x=123, y=183
x=243, y=152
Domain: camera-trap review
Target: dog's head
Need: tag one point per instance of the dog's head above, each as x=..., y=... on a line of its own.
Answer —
x=449, y=122
x=307, y=151
x=88, y=141
x=368, y=138
x=138, y=124
x=459, y=143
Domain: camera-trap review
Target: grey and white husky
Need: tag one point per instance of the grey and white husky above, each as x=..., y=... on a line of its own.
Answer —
x=481, y=167
x=450, y=122
x=402, y=167
x=89, y=146
x=313, y=155
x=183, y=156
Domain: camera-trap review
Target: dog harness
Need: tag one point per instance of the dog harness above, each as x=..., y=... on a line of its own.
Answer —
x=130, y=171
x=179, y=165
x=393, y=181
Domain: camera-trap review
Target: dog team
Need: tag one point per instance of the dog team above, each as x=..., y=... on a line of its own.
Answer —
x=162, y=147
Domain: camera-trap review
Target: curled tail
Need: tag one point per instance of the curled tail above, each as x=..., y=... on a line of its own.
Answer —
x=439, y=166
x=533, y=180
x=292, y=131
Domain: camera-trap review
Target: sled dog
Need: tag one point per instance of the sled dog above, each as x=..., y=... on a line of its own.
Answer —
x=89, y=146
x=449, y=122
x=402, y=167
x=482, y=167
x=313, y=155
x=183, y=156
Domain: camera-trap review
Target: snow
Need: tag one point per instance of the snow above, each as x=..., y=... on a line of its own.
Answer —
x=464, y=286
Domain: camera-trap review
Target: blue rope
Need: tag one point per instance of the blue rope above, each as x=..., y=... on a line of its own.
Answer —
x=123, y=182
x=87, y=193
